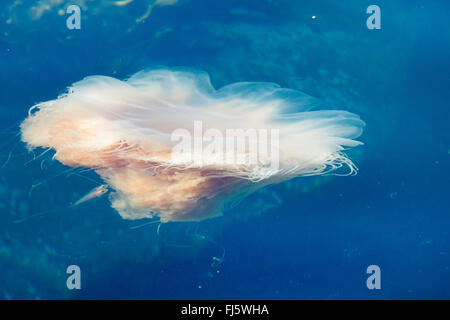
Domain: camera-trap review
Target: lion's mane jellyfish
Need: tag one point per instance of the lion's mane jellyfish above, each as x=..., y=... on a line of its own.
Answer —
x=136, y=134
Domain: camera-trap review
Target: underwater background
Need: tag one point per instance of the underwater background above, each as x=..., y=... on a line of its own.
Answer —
x=308, y=238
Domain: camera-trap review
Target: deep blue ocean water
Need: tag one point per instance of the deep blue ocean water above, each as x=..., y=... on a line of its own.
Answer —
x=309, y=238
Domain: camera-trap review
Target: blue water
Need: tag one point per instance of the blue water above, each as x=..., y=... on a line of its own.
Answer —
x=309, y=238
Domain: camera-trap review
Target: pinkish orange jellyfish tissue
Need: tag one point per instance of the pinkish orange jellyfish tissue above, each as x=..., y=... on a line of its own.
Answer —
x=164, y=140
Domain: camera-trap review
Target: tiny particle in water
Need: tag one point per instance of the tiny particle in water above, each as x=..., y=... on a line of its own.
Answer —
x=313, y=17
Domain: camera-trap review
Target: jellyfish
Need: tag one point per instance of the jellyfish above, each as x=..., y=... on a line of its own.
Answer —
x=172, y=147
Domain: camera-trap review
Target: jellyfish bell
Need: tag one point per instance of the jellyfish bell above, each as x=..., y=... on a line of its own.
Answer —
x=124, y=130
